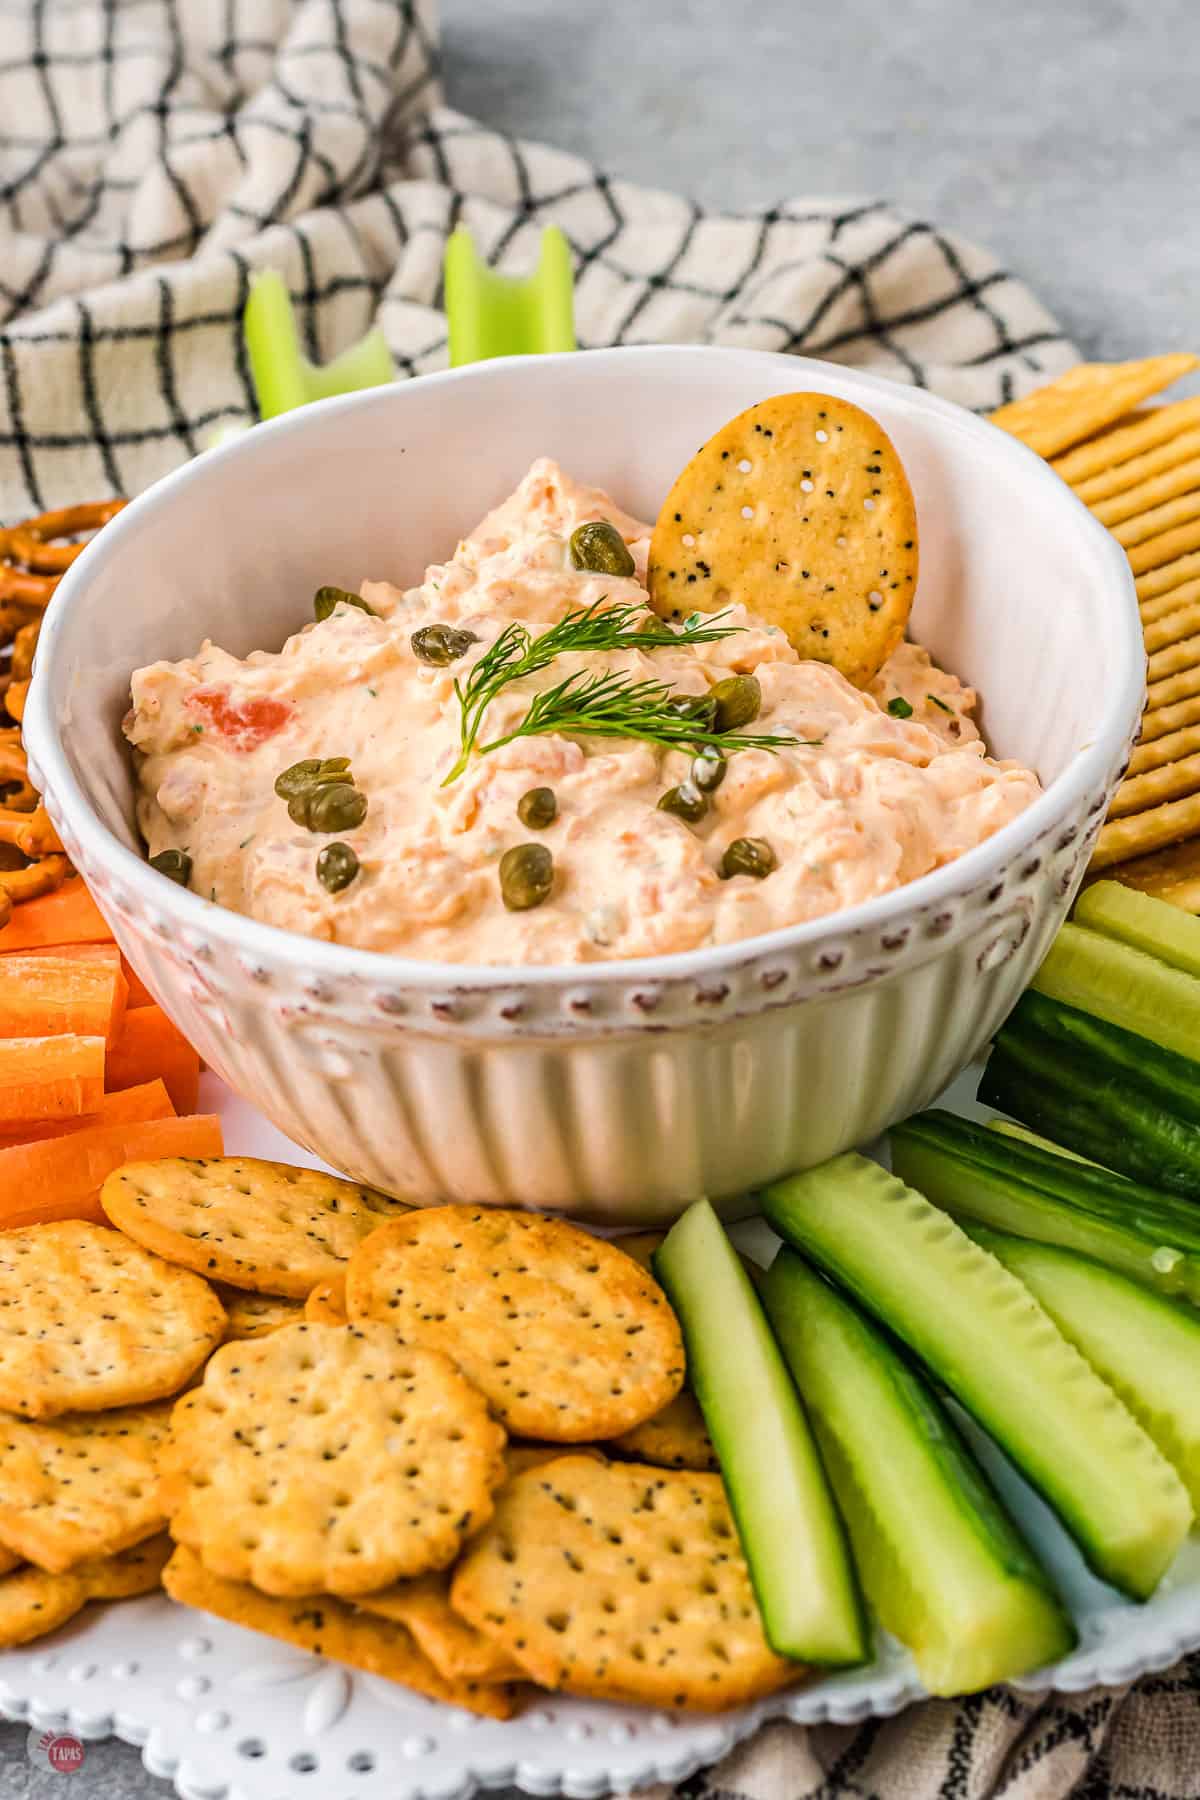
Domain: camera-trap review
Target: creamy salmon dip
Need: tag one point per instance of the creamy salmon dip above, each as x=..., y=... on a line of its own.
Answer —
x=879, y=786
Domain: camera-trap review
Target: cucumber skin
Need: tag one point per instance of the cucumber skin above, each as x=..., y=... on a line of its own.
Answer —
x=1128, y=988
x=1169, y=1334
x=791, y=1286
x=1173, y=1081
x=1008, y=1084
x=1143, y=922
x=1085, y=1184
x=857, y=1647
x=977, y=1193
x=1080, y=1100
x=1135, y=1570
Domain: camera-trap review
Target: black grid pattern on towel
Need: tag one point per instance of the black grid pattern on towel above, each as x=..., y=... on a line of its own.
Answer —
x=153, y=155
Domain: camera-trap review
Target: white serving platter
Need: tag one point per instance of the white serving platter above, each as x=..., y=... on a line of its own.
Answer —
x=229, y=1715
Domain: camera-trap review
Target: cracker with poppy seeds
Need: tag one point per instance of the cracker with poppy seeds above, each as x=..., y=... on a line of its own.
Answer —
x=621, y=1582
x=567, y=1337
x=326, y=1303
x=456, y=1649
x=260, y=1225
x=138, y=1570
x=800, y=510
x=326, y=1626
x=89, y=1320
x=676, y=1437
x=520, y=1456
x=251, y=1315
x=325, y=1459
x=34, y=1603
x=82, y=1486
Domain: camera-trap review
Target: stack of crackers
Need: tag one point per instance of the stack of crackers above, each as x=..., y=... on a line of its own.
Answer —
x=451, y=1446
x=1137, y=468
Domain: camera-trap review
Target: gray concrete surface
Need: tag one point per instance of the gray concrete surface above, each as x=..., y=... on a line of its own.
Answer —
x=1065, y=134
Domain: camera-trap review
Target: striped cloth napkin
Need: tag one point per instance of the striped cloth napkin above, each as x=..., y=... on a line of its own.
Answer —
x=154, y=154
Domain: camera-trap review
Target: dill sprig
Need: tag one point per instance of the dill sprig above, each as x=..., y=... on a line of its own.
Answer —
x=613, y=704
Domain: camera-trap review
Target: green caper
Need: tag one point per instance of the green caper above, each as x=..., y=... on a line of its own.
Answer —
x=538, y=808
x=440, y=645
x=738, y=700
x=708, y=769
x=176, y=865
x=326, y=598
x=599, y=546
x=748, y=856
x=338, y=807
x=337, y=866
x=526, y=876
x=311, y=773
x=701, y=708
x=685, y=801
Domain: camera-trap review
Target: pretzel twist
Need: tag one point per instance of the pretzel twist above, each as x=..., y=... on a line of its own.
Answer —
x=32, y=542
x=32, y=563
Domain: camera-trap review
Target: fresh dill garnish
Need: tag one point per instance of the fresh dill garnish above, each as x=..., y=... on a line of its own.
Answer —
x=934, y=701
x=615, y=704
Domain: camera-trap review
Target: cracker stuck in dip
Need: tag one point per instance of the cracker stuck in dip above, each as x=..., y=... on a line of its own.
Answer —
x=371, y=844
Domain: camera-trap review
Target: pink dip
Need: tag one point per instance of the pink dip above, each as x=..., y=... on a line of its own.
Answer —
x=875, y=803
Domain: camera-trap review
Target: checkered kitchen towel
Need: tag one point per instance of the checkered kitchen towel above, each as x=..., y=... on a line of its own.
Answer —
x=153, y=153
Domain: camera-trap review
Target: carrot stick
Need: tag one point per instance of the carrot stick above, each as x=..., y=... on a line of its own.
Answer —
x=48, y=1212
x=69, y=1171
x=42, y=994
x=132, y=1106
x=147, y=1045
x=50, y=1078
x=67, y=916
x=139, y=993
x=107, y=955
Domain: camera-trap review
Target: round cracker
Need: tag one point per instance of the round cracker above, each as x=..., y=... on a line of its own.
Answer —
x=326, y=1304
x=33, y=1604
x=82, y=1486
x=261, y=1225
x=331, y=1629
x=569, y=1339
x=89, y=1320
x=329, y=1460
x=251, y=1315
x=800, y=510
x=621, y=1583
x=675, y=1438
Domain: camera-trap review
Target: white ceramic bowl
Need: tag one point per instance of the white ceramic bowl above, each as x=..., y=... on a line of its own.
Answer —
x=617, y=1090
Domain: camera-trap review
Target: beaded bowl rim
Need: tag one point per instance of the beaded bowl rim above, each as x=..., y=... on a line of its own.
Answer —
x=1092, y=770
